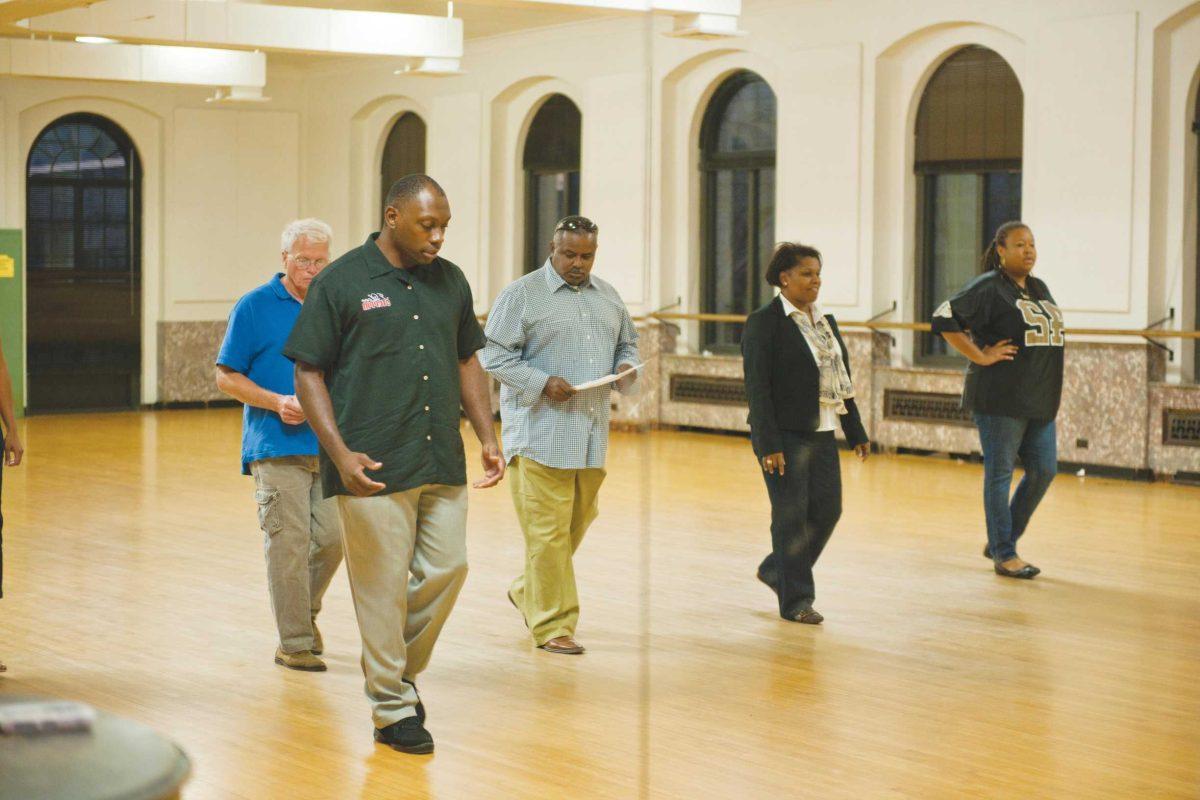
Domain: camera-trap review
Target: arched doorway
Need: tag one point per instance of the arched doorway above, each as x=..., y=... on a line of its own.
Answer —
x=551, y=162
x=83, y=211
x=968, y=166
x=737, y=162
x=403, y=153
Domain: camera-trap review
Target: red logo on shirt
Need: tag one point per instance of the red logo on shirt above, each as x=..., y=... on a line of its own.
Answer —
x=376, y=300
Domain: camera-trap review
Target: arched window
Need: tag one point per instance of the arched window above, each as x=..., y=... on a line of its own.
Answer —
x=83, y=232
x=551, y=164
x=968, y=165
x=403, y=153
x=737, y=146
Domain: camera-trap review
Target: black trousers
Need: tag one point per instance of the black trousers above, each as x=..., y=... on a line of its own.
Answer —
x=806, y=503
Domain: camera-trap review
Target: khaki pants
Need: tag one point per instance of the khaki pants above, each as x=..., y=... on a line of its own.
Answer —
x=421, y=531
x=302, y=541
x=555, y=508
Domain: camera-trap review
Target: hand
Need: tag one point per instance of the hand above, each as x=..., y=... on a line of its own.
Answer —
x=773, y=462
x=863, y=451
x=558, y=390
x=1000, y=351
x=630, y=374
x=351, y=467
x=493, y=467
x=289, y=409
x=13, y=449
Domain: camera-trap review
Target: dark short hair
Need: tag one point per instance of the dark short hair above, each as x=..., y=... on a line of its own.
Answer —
x=576, y=224
x=408, y=187
x=788, y=255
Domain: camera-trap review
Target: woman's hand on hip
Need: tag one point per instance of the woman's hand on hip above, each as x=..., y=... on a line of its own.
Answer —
x=1002, y=350
x=775, y=461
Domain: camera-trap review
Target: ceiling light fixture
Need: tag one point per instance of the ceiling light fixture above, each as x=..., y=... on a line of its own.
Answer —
x=95, y=40
x=436, y=67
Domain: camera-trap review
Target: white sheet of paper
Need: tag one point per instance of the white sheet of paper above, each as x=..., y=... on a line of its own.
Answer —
x=607, y=379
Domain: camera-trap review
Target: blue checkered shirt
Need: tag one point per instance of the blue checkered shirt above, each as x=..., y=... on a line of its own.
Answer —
x=541, y=326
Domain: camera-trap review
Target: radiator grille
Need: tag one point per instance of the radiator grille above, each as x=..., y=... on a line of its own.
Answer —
x=1181, y=427
x=704, y=389
x=933, y=407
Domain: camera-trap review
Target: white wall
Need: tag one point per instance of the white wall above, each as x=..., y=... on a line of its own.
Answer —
x=235, y=173
x=1109, y=161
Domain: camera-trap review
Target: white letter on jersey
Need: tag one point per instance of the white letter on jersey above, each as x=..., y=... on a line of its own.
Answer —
x=1048, y=324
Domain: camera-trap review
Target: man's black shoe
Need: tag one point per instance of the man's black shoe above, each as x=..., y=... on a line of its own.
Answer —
x=420, y=705
x=408, y=736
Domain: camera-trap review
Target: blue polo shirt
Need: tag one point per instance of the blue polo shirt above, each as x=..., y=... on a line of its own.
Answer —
x=259, y=325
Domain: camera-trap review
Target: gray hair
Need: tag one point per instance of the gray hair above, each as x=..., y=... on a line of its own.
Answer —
x=311, y=228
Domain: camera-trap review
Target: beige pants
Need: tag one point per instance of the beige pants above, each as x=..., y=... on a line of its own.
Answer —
x=555, y=508
x=302, y=541
x=406, y=555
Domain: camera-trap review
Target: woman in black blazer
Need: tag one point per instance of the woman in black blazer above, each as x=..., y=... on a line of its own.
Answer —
x=798, y=386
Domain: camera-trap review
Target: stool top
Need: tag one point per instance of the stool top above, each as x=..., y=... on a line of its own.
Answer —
x=118, y=759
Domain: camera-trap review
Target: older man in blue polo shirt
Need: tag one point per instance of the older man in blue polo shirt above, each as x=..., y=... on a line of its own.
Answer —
x=302, y=530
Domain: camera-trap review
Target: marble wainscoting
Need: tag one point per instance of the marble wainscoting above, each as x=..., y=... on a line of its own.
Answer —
x=186, y=354
x=640, y=410
x=868, y=352
x=717, y=416
x=1166, y=460
x=1106, y=389
x=865, y=350
x=893, y=432
x=1102, y=419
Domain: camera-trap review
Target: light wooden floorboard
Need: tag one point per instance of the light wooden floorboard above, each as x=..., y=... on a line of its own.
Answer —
x=135, y=582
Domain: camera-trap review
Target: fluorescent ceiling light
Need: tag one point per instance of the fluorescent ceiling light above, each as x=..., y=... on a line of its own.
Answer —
x=95, y=40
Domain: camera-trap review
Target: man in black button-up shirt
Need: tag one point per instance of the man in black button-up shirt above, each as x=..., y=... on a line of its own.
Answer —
x=385, y=353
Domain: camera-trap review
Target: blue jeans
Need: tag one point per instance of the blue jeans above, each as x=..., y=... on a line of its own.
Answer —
x=1003, y=439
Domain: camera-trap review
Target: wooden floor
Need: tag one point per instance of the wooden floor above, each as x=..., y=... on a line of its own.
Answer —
x=135, y=582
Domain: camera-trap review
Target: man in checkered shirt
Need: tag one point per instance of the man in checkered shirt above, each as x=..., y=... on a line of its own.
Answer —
x=554, y=329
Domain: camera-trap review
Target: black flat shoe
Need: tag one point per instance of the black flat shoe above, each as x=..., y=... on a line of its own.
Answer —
x=809, y=616
x=408, y=736
x=1025, y=573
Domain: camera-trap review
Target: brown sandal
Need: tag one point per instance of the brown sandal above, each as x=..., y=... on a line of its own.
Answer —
x=564, y=645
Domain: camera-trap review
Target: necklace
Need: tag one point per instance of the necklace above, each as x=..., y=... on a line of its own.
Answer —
x=1021, y=290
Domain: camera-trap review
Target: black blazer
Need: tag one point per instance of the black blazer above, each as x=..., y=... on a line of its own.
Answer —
x=783, y=382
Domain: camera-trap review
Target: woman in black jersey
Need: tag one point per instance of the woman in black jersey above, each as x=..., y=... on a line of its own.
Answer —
x=1006, y=323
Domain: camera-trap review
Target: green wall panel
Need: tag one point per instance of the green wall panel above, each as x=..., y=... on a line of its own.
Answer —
x=12, y=311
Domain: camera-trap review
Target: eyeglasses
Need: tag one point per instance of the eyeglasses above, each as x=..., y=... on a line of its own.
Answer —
x=309, y=263
x=576, y=223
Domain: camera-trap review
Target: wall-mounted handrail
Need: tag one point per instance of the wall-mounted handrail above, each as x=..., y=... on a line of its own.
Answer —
x=1157, y=333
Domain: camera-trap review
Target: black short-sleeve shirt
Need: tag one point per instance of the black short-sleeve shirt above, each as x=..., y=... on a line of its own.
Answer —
x=389, y=341
x=991, y=308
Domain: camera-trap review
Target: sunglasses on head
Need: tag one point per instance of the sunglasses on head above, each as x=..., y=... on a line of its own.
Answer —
x=575, y=224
